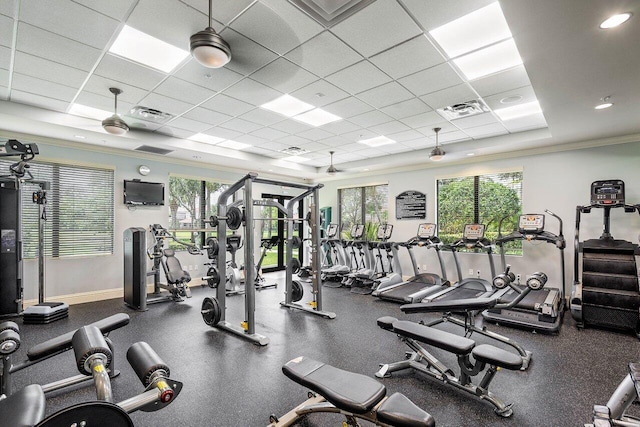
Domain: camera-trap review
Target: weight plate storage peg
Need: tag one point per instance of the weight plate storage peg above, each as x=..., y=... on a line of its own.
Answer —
x=211, y=312
x=296, y=291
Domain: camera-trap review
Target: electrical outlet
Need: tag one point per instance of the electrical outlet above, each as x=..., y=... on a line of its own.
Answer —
x=470, y=272
x=518, y=277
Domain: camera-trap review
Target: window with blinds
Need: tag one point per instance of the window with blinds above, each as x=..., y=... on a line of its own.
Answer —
x=79, y=211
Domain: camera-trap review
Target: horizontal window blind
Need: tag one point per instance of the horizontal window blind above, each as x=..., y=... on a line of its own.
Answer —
x=79, y=210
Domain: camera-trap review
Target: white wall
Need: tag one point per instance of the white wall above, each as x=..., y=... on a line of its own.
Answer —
x=556, y=181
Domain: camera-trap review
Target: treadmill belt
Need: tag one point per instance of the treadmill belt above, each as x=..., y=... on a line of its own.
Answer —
x=400, y=292
x=461, y=293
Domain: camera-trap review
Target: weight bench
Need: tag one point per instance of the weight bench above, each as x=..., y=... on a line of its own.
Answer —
x=177, y=277
x=10, y=342
x=353, y=395
x=485, y=357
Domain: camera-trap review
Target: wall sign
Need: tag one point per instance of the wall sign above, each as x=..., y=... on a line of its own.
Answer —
x=411, y=205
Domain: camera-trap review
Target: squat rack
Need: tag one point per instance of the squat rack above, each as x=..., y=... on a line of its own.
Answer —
x=213, y=309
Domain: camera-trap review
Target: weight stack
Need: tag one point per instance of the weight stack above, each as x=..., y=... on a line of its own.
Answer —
x=610, y=286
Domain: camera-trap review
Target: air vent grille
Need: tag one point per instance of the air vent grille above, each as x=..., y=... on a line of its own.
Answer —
x=149, y=114
x=330, y=12
x=154, y=150
x=294, y=151
x=463, y=109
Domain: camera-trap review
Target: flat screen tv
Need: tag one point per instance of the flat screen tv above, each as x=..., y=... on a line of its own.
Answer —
x=138, y=192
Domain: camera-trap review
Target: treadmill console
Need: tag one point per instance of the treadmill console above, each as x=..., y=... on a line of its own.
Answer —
x=384, y=232
x=332, y=230
x=357, y=231
x=473, y=232
x=607, y=193
x=531, y=224
x=426, y=231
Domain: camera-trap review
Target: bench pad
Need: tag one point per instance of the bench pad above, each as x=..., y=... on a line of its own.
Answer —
x=63, y=342
x=435, y=337
x=468, y=304
x=399, y=411
x=497, y=356
x=351, y=392
x=23, y=408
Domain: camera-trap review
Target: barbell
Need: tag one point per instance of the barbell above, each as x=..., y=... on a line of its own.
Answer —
x=235, y=217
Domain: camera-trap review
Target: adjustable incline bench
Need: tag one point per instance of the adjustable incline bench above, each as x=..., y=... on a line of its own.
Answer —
x=353, y=395
x=10, y=342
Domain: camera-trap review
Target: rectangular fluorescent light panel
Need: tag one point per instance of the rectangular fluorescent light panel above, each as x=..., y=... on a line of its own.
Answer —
x=234, y=145
x=518, y=111
x=296, y=159
x=147, y=50
x=287, y=105
x=90, y=112
x=489, y=60
x=317, y=117
x=377, y=141
x=207, y=139
x=473, y=31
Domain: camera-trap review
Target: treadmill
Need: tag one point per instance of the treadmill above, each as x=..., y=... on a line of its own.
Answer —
x=541, y=310
x=421, y=284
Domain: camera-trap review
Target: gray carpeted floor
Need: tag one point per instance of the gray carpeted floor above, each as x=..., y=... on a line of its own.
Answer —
x=230, y=382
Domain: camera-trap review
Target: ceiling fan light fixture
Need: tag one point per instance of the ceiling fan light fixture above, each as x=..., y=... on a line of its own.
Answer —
x=437, y=153
x=209, y=48
x=114, y=124
x=331, y=170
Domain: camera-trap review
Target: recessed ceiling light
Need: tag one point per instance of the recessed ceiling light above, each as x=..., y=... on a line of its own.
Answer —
x=207, y=139
x=377, y=141
x=511, y=99
x=90, y=112
x=234, y=145
x=520, y=110
x=477, y=29
x=287, y=105
x=603, y=105
x=80, y=136
x=317, y=117
x=615, y=20
x=148, y=50
x=492, y=59
x=296, y=159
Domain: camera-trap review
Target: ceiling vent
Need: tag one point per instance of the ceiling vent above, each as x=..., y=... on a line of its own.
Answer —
x=154, y=150
x=463, y=109
x=330, y=12
x=149, y=114
x=293, y=151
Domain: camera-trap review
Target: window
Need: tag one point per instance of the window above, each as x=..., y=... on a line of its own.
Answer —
x=363, y=205
x=484, y=199
x=79, y=210
x=191, y=201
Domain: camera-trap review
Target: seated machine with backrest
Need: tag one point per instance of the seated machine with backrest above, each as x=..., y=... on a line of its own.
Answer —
x=352, y=395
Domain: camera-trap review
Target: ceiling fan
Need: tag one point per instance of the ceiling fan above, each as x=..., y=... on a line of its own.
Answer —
x=331, y=170
x=114, y=124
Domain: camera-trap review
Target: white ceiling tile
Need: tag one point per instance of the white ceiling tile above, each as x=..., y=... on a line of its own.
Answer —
x=5, y=57
x=419, y=144
x=165, y=104
x=431, y=17
x=291, y=126
x=359, y=135
x=527, y=94
x=409, y=57
x=315, y=134
x=475, y=120
x=39, y=101
x=444, y=128
x=4, y=92
x=174, y=132
x=100, y=85
x=115, y=9
x=206, y=116
x=102, y=102
x=71, y=20
x=407, y=108
x=431, y=80
x=35, y=41
x=348, y=107
x=423, y=119
x=251, y=140
x=389, y=128
x=159, y=19
x=268, y=133
x=340, y=127
x=449, y=96
x=371, y=118
x=47, y=70
x=4, y=78
x=223, y=11
x=370, y=152
x=512, y=78
x=183, y=91
x=335, y=141
x=314, y=146
x=227, y=105
x=221, y=132
x=377, y=27
x=329, y=93
x=252, y=92
x=452, y=136
x=387, y=94
x=323, y=55
x=240, y=125
x=6, y=31
x=534, y=121
x=262, y=117
x=261, y=151
x=351, y=78
x=284, y=76
x=42, y=87
x=486, y=131
x=214, y=79
x=292, y=140
x=115, y=68
x=406, y=135
x=278, y=26
x=343, y=157
x=246, y=55
x=8, y=8
x=275, y=147
x=394, y=148
x=187, y=124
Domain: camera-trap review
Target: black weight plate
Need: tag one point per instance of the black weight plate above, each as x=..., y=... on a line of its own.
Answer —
x=89, y=414
x=296, y=291
x=213, y=220
x=213, y=278
x=234, y=218
x=296, y=242
x=212, y=247
x=211, y=311
x=295, y=266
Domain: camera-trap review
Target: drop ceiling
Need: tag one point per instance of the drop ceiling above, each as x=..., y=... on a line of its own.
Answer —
x=377, y=67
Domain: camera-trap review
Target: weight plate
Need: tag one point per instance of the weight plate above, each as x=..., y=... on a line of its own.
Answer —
x=211, y=312
x=212, y=247
x=295, y=266
x=296, y=242
x=213, y=221
x=296, y=291
x=234, y=218
x=213, y=278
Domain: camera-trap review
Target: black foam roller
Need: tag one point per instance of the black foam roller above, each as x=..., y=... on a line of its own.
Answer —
x=87, y=341
x=145, y=361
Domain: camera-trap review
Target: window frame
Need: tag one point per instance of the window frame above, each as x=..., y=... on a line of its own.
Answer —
x=363, y=204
